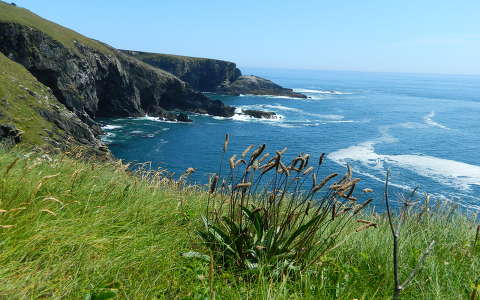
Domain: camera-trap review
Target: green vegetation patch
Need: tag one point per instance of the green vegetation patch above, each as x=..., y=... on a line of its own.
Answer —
x=21, y=97
x=147, y=56
x=67, y=37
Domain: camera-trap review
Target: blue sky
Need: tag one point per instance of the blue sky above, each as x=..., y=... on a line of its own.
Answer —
x=425, y=36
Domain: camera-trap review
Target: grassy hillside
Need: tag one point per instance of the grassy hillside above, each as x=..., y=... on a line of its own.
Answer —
x=21, y=96
x=72, y=229
x=13, y=14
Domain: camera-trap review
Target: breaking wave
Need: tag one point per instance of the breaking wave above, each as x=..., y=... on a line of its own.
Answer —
x=452, y=173
x=428, y=120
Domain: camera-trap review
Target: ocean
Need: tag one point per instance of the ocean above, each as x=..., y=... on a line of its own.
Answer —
x=424, y=128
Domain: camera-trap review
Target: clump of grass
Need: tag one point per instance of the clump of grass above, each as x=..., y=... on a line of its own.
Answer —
x=263, y=215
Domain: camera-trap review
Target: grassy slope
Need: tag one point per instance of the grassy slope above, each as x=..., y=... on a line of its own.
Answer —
x=13, y=14
x=106, y=229
x=19, y=106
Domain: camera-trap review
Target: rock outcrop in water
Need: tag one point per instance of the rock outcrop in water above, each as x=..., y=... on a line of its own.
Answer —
x=255, y=85
x=259, y=114
x=213, y=75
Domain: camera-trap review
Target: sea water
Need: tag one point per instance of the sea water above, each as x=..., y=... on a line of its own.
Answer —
x=424, y=128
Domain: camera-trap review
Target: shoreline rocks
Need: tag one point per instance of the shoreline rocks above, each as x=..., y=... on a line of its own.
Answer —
x=254, y=85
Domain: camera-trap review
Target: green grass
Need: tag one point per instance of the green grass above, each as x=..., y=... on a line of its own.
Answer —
x=21, y=96
x=22, y=16
x=95, y=228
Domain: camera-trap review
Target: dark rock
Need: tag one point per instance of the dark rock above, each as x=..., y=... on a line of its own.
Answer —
x=202, y=74
x=212, y=75
x=94, y=83
x=255, y=85
x=10, y=133
x=260, y=114
x=182, y=117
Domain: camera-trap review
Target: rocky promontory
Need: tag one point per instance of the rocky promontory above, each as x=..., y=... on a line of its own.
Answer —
x=84, y=79
x=254, y=85
x=202, y=74
x=92, y=79
x=213, y=75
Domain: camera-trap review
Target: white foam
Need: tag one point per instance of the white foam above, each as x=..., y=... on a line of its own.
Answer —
x=220, y=118
x=321, y=116
x=428, y=120
x=244, y=117
x=341, y=121
x=281, y=107
x=111, y=127
x=313, y=91
x=157, y=119
x=457, y=174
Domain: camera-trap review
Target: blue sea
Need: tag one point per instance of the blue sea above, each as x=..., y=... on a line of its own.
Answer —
x=424, y=128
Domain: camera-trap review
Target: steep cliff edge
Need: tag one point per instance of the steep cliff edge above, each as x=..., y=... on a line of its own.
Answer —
x=202, y=74
x=92, y=79
x=213, y=75
x=31, y=114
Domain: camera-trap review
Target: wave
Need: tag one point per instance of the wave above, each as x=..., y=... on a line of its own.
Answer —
x=299, y=111
x=270, y=96
x=158, y=119
x=111, y=127
x=452, y=173
x=328, y=92
x=428, y=120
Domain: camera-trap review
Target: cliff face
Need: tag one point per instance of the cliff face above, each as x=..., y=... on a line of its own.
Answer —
x=212, y=75
x=93, y=83
x=201, y=74
x=30, y=113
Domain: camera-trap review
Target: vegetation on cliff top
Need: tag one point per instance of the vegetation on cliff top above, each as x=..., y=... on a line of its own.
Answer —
x=67, y=37
x=21, y=98
x=74, y=229
x=170, y=57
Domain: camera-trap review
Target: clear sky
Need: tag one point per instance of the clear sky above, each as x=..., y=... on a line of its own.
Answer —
x=428, y=36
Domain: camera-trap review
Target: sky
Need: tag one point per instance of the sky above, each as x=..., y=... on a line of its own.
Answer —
x=421, y=36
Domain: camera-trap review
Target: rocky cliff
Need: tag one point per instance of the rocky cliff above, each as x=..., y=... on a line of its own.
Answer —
x=255, y=85
x=203, y=74
x=30, y=113
x=212, y=75
x=92, y=79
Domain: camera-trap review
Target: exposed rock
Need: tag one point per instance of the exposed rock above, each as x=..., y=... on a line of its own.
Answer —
x=182, y=117
x=10, y=133
x=202, y=74
x=212, y=75
x=260, y=114
x=93, y=83
x=255, y=85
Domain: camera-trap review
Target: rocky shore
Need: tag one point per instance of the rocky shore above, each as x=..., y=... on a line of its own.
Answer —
x=89, y=79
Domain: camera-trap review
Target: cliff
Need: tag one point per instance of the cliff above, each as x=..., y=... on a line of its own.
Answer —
x=30, y=113
x=203, y=74
x=213, y=75
x=91, y=78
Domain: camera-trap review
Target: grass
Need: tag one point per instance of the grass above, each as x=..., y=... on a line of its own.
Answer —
x=21, y=97
x=67, y=37
x=73, y=229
